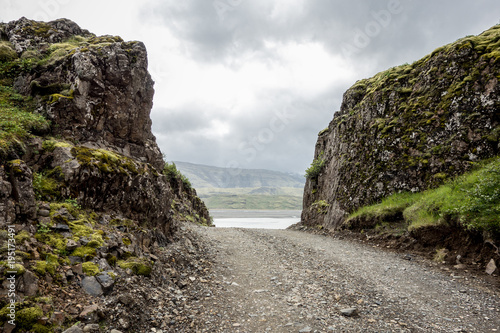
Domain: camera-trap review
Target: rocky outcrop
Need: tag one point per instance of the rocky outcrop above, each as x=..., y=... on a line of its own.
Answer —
x=86, y=200
x=95, y=90
x=409, y=128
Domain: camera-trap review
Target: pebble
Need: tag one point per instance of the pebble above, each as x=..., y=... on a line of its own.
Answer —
x=349, y=312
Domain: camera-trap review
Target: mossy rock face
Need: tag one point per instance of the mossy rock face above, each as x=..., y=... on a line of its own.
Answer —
x=409, y=128
x=49, y=265
x=90, y=269
x=139, y=266
x=28, y=317
x=110, y=113
x=7, y=52
x=8, y=269
x=85, y=252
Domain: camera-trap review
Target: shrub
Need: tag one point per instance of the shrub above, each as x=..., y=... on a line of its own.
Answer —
x=316, y=166
x=16, y=123
x=171, y=171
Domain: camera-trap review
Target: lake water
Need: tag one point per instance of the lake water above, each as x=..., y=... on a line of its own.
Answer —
x=261, y=219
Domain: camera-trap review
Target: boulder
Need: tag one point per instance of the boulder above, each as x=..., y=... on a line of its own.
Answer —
x=91, y=286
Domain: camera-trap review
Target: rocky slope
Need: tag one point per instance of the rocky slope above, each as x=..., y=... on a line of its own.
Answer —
x=410, y=128
x=87, y=211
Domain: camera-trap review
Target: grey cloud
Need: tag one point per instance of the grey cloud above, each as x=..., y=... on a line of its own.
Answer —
x=279, y=136
x=411, y=33
x=418, y=25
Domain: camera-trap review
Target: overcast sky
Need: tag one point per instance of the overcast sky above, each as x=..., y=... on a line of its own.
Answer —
x=250, y=83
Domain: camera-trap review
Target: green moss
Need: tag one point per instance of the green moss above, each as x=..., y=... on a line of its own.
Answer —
x=51, y=144
x=321, y=206
x=73, y=209
x=440, y=175
x=89, y=268
x=470, y=200
x=54, y=98
x=96, y=241
x=47, y=266
x=7, y=52
x=85, y=252
x=326, y=130
x=111, y=259
x=389, y=206
x=126, y=241
x=122, y=222
x=107, y=39
x=81, y=228
x=53, y=239
x=44, y=299
x=106, y=161
x=22, y=236
x=27, y=317
x=139, y=266
x=18, y=268
x=45, y=187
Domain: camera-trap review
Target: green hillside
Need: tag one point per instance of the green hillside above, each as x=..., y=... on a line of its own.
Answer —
x=221, y=188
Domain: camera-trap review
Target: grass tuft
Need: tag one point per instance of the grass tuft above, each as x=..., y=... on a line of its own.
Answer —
x=472, y=200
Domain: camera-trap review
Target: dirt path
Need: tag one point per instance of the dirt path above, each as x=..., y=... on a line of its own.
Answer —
x=288, y=281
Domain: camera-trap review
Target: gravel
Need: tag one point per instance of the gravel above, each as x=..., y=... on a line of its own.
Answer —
x=290, y=281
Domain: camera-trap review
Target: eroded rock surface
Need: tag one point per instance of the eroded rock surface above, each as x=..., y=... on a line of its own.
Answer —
x=409, y=128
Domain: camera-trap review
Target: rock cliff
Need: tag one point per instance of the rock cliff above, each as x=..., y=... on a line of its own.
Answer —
x=84, y=195
x=409, y=128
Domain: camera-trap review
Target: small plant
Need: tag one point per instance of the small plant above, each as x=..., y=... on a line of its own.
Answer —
x=316, y=166
x=321, y=206
x=43, y=228
x=73, y=203
x=171, y=171
x=45, y=187
x=440, y=255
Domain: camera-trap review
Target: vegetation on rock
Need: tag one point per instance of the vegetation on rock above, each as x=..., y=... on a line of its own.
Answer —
x=471, y=200
x=409, y=129
x=17, y=123
x=81, y=195
x=316, y=166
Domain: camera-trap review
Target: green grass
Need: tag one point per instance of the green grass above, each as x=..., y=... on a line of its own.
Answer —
x=471, y=200
x=253, y=201
x=389, y=206
x=16, y=122
x=171, y=171
x=252, y=197
x=316, y=167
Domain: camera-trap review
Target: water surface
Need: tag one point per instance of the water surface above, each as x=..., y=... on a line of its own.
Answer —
x=261, y=219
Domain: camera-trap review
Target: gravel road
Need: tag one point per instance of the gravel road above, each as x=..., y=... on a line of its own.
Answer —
x=290, y=281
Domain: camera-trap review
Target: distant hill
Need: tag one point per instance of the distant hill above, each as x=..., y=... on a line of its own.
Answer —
x=220, y=188
x=204, y=176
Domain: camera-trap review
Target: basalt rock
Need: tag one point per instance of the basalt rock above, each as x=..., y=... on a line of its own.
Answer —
x=94, y=90
x=87, y=197
x=409, y=128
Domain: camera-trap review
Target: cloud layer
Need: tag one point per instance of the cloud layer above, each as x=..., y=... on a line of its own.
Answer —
x=249, y=84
